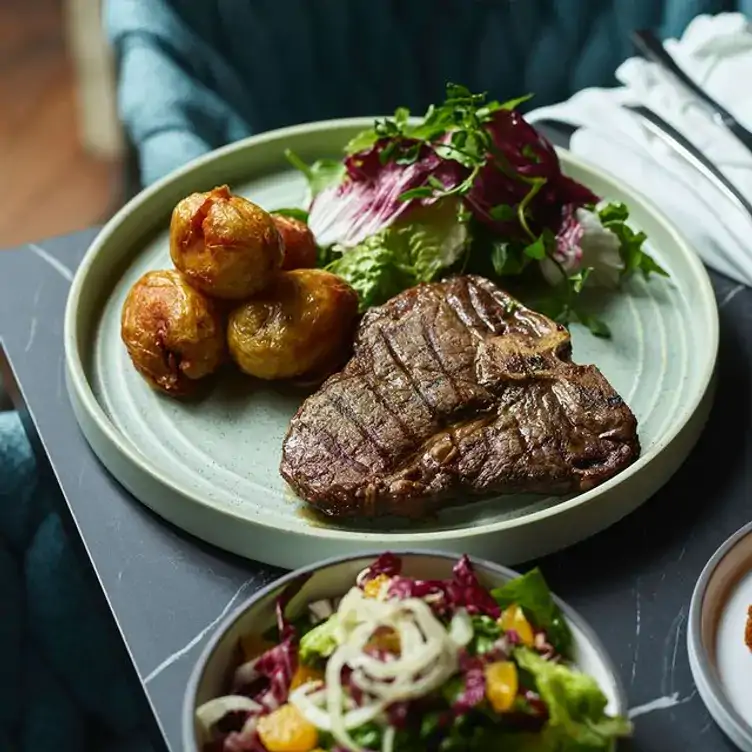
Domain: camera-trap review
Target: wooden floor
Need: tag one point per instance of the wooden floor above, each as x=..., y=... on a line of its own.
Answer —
x=49, y=184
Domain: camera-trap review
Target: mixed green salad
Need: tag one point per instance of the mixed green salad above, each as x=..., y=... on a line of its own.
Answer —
x=400, y=664
x=469, y=187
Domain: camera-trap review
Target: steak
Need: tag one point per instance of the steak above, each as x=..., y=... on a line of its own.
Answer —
x=455, y=390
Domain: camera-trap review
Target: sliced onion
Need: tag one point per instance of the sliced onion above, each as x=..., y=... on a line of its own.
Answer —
x=429, y=655
x=245, y=674
x=309, y=708
x=309, y=704
x=213, y=711
x=461, y=628
x=321, y=610
x=387, y=741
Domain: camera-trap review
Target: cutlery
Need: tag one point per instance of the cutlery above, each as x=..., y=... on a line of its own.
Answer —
x=651, y=48
x=677, y=141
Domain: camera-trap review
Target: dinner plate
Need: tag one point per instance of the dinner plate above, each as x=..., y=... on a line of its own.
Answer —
x=719, y=657
x=334, y=577
x=211, y=467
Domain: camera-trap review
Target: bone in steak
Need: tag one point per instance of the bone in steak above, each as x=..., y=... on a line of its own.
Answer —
x=455, y=390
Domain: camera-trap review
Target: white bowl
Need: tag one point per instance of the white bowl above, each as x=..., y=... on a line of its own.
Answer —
x=332, y=578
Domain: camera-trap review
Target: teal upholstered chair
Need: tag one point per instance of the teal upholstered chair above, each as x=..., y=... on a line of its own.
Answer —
x=196, y=74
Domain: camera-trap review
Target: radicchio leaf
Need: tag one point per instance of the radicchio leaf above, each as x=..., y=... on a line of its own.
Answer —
x=368, y=199
x=464, y=590
x=523, y=156
x=284, y=625
x=387, y=564
x=398, y=713
x=474, y=689
x=461, y=591
x=269, y=676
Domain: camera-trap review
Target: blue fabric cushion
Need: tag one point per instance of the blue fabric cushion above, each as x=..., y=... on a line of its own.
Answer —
x=191, y=77
x=51, y=720
x=62, y=668
x=61, y=597
x=12, y=626
x=22, y=507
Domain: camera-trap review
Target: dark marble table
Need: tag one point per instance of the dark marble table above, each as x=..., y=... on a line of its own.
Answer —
x=167, y=591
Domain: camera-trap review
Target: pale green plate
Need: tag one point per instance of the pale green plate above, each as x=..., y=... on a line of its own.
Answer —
x=212, y=467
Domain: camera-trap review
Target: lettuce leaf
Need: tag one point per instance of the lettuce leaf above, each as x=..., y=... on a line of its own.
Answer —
x=320, y=642
x=405, y=254
x=532, y=594
x=322, y=174
x=576, y=706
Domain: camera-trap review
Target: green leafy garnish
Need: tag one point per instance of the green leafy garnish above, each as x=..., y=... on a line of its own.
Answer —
x=485, y=633
x=614, y=217
x=576, y=707
x=320, y=642
x=503, y=213
x=377, y=269
x=367, y=736
x=525, y=221
x=299, y=214
x=531, y=593
x=321, y=174
x=455, y=129
x=404, y=255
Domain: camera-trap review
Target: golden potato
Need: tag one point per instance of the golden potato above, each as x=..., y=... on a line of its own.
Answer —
x=298, y=243
x=226, y=246
x=303, y=323
x=173, y=333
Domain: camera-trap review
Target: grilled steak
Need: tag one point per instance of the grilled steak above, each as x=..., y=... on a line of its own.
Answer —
x=455, y=390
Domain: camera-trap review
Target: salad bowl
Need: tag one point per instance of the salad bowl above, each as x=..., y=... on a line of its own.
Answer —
x=333, y=578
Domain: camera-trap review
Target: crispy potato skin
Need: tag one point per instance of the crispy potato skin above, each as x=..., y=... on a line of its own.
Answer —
x=226, y=246
x=173, y=333
x=298, y=242
x=302, y=324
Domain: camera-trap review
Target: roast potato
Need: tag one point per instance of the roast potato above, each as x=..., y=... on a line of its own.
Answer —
x=302, y=324
x=298, y=242
x=226, y=246
x=173, y=333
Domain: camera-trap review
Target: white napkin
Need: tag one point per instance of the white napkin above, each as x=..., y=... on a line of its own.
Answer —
x=717, y=53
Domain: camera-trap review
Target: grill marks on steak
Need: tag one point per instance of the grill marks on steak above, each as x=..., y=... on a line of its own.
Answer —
x=455, y=389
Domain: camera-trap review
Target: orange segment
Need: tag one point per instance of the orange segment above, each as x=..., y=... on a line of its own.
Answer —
x=286, y=730
x=385, y=638
x=305, y=674
x=501, y=685
x=514, y=618
x=372, y=588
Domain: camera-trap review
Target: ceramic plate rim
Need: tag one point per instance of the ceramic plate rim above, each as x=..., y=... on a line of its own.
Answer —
x=82, y=391
x=571, y=614
x=713, y=695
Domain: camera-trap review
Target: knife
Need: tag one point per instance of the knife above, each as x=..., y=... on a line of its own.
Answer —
x=676, y=140
x=651, y=48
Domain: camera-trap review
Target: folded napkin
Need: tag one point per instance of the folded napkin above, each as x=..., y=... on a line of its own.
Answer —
x=717, y=53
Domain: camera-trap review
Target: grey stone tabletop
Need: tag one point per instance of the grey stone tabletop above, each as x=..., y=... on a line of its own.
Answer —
x=167, y=591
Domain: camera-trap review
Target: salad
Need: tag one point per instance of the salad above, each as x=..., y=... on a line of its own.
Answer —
x=470, y=187
x=406, y=665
